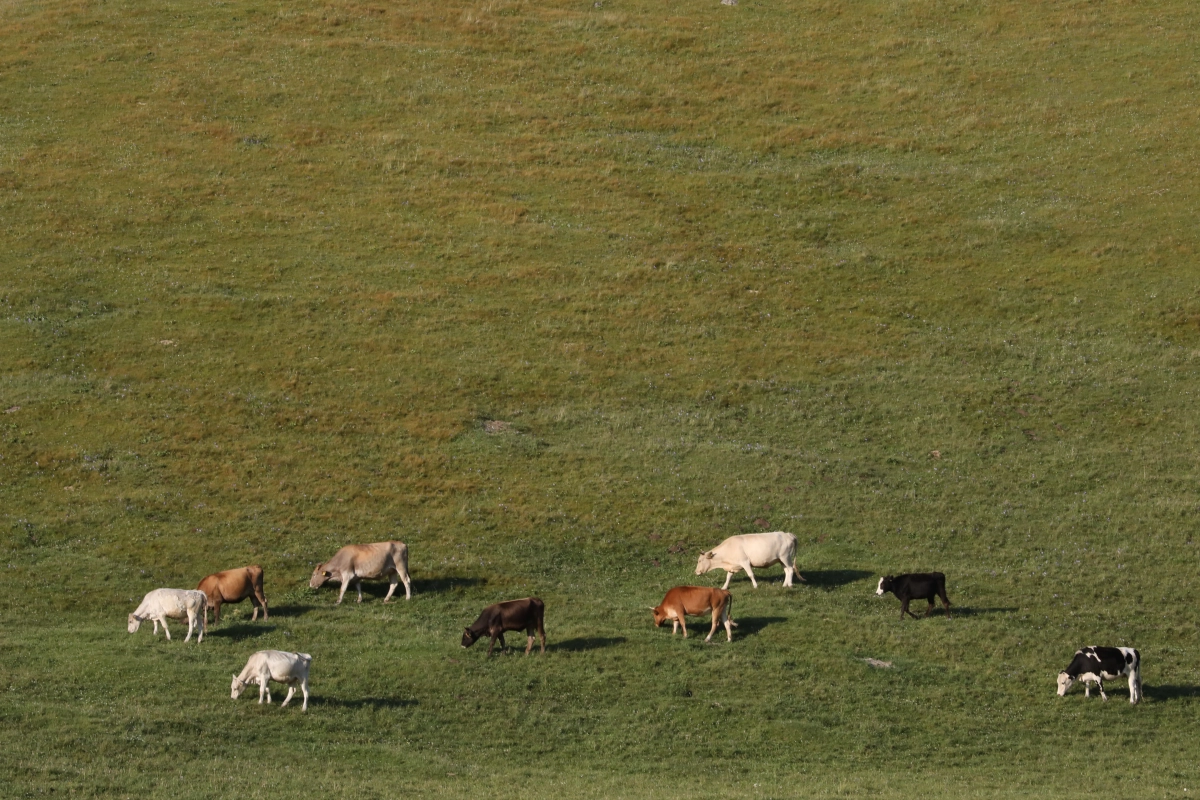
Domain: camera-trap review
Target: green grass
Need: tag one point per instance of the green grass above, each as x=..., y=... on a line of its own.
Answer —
x=269, y=271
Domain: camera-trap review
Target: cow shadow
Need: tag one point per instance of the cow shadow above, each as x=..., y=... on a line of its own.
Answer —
x=1170, y=692
x=968, y=611
x=438, y=585
x=363, y=702
x=749, y=626
x=238, y=631
x=581, y=643
x=289, y=611
x=828, y=579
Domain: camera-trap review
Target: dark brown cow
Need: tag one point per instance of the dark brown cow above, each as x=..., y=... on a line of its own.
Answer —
x=511, y=615
x=695, y=600
x=234, y=586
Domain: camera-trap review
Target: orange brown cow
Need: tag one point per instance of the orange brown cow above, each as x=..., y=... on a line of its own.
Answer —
x=695, y=600
x=234, y=586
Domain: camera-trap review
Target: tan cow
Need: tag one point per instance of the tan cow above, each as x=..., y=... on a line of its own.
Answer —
x=357, y=561
x=695, y=600
x=234, y=586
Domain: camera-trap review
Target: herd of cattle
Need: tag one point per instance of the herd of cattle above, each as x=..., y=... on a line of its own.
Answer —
x=357, y=562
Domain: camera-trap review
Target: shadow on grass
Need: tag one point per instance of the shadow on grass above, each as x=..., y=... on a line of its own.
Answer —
x=967, y=611
x=290, y=611
x=362, y=702
x=435, y=585
x=833, y=578
x=239, y=630
x=582, y=643
x=749, y=626
x=1170, y=692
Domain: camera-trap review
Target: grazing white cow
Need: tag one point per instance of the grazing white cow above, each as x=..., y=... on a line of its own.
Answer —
x=174, y=603
x=357, y=561
x=274, y=665
x=752, y=550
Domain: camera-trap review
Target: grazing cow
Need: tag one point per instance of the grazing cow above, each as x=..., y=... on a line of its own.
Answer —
x=357, y=561
x=174, y=603
x=915, y=586
x=511, y=615
x=1095, y=664
x=274, y=665
x=752, y=550
x=695, y=600
x=234, y=586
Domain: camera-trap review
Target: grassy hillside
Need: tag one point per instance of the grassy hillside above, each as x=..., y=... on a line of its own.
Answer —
x=559, y=294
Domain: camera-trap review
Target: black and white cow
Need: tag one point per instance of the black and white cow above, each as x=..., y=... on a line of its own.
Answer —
x=915, y=586
x=1095, y=664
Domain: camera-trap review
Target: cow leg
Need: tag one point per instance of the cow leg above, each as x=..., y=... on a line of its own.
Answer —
x=1103, y=696
x=156, y=627
x=216, y=609
x=529, y=642
x=304, y=689
x=493, y=644
x=291, y=691
x=166, y=630
x=407, y=586
x=262, y=689
x=787, y=575
x=345, y=585
x=392, y=588
x=358, y=585
x=683, y=624
x=674, y=626
x=750, y=574
x=716, y=622
x=929, y=610
x=728, y=578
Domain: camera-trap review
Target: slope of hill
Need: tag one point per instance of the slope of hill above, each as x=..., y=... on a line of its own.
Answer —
x=559, y=294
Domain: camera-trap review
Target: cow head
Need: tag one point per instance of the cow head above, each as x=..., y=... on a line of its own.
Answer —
x=705, y=562
x=1064, y=683
x=235, y=689
x=134, y=623
x=319, y=576
x=885, y=585
x=660, y=616
x=468, y=637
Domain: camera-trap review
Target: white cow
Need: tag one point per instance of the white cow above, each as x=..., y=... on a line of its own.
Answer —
x=174, y=603
x=274, y=665
x=752, y=550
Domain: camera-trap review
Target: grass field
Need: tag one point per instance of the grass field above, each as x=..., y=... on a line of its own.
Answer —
x=559, y=294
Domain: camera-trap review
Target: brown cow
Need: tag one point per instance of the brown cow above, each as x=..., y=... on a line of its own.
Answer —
x=357, y=561
x=234, y=586
x=511, y=615
x=695, y=600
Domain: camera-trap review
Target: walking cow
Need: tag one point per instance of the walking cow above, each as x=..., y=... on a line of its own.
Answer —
x=1097, y=664
x=915, y=586
x=234, y=586
x=752, y=550
x=511, y=615
x=357, y=561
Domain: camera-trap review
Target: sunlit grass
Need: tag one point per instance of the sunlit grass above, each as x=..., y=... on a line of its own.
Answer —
x=560, y=294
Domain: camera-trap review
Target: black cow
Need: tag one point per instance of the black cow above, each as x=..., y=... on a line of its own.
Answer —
x=511, y=615
x=1094, y=664
x=916, y=586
